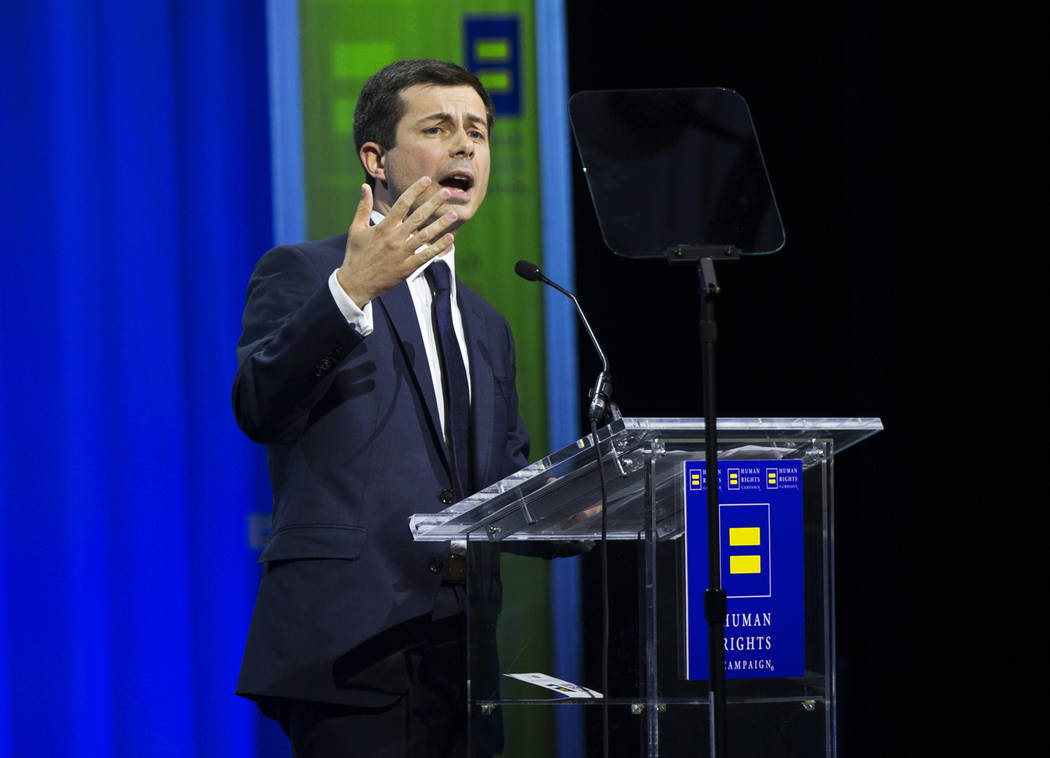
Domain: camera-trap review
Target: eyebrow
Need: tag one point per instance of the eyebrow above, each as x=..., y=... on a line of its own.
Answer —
x=443, y=116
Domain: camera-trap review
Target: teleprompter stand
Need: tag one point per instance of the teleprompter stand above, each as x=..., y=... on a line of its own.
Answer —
x=715, y=606
x=711, y=200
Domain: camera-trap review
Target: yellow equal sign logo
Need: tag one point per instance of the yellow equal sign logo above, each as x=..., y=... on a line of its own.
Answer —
x=694, y=479
x=734, y=478
x=745, y=564
x=742, y=536
x=771, y=478
x=745, y=536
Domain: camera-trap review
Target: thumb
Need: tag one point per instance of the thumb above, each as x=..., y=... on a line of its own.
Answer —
x=364, y=208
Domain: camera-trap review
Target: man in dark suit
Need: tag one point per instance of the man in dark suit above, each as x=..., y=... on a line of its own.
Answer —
x=374, y=404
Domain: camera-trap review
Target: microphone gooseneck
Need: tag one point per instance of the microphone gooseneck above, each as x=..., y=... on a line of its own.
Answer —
x=601, y=393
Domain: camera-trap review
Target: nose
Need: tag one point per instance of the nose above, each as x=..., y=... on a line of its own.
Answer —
x=462, y=143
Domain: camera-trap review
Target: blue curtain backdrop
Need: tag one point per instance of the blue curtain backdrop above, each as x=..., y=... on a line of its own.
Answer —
x=136, y=198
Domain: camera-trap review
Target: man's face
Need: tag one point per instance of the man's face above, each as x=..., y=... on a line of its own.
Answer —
x=444, y=135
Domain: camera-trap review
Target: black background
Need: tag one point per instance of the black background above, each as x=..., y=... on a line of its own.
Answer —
x=905, y=149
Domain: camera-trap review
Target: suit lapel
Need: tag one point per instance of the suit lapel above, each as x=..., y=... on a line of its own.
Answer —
x=402, y=313
x=397, y=303
x=481, y=385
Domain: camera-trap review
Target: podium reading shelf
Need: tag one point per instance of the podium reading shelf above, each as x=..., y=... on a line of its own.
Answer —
x=776, y=515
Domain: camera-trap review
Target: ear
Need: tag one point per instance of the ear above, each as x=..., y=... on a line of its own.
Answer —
x=373, y=158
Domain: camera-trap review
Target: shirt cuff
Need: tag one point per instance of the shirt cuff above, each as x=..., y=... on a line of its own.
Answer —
x=360, y=320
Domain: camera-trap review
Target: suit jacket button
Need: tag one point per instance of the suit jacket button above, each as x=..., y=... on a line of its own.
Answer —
x=324, y=366
x=435, y=566
x=446, y=497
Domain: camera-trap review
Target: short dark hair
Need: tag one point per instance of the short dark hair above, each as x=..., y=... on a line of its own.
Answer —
x=380, y=106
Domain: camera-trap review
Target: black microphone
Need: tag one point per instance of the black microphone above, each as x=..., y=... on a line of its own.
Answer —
x=602, y=391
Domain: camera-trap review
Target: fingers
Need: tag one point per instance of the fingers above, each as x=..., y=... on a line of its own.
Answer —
x=440, y=246
x=438, y=227
x=404, y=204
x=419, y=204
x=364, y=207
x=419, y=227
x=427, y=210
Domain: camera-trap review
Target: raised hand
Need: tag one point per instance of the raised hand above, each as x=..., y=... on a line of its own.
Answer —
x=380, y=257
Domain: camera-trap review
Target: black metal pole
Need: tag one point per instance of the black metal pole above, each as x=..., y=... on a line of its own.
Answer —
x=714, y=596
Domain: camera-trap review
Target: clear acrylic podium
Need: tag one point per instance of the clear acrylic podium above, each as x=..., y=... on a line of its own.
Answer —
x=653, y=709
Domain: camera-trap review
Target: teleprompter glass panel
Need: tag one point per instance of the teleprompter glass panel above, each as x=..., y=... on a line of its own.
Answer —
x=671, y=168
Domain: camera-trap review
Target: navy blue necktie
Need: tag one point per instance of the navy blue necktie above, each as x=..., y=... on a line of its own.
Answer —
x=454, y=377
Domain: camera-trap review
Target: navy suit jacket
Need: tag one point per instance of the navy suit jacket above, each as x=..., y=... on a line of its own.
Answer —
x=354, y=448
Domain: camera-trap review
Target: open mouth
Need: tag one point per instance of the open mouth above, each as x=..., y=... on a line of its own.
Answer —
x=458, y=180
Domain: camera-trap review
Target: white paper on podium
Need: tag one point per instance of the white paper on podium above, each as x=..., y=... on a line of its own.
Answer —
x=560, y=686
